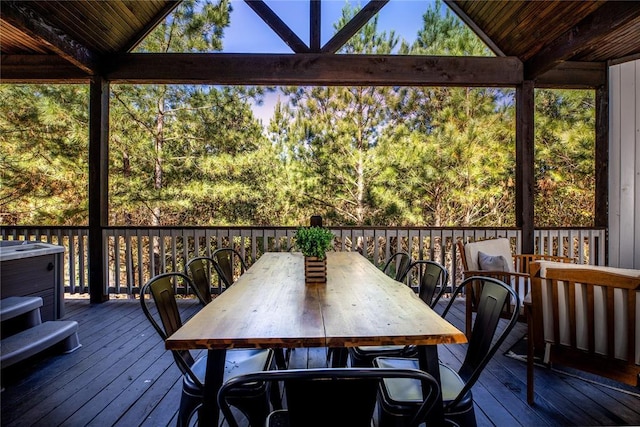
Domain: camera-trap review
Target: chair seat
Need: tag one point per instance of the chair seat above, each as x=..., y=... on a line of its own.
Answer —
x=237, y=362
x=363, y=356
x=401, y=391
x=372, y=349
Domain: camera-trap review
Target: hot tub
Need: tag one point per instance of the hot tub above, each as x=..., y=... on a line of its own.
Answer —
x=30, y=268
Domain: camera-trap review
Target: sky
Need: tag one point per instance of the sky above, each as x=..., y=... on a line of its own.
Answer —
x=402, y=16
x=247, y=32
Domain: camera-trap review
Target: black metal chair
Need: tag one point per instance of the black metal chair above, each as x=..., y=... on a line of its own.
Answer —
x=164, y=315
x=398, y=396
x=200, y=270
x=335, y=397
x=397, y=264
x=432, y=280
x=432, y=275
x=224, y=262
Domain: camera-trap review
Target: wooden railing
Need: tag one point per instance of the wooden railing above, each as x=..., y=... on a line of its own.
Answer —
x=135, y=254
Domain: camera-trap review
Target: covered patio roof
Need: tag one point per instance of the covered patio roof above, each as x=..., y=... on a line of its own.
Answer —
x=553, y=43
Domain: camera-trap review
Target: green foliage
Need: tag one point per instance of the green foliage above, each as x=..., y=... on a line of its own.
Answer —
x=314, y=241
x=43, y=154
x=392, y=156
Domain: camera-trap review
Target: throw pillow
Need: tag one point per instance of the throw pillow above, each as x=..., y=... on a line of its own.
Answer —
x=492, y=262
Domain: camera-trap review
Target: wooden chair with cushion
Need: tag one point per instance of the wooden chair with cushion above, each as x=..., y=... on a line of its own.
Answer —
x=585, y=317
x=493, y=258
x=165, y=318
x=322, y=397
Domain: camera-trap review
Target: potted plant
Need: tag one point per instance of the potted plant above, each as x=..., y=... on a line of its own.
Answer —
x=314, y=242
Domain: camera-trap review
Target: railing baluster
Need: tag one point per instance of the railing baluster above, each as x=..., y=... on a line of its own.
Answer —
x=132, y=257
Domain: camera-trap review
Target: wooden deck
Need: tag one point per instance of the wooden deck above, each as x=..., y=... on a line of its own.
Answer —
x=122, y=376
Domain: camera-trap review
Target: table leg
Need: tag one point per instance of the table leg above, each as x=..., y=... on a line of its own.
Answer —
x=210, y=412
x=428, y=360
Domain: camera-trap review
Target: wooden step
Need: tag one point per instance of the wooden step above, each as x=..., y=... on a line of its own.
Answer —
x=31, y=341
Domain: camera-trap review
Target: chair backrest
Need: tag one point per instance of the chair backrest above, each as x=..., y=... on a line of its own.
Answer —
x=225, y=259
x=431, y=275
x=470, y=252
x=200, y=269
x=161, y=289
x=482, y=345
x=397, y=264
x=332, y=396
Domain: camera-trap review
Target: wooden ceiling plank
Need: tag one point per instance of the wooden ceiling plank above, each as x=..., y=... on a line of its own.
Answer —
x=14, y=41
x=474, y=27
x=619, y=44
x=278, y=26
x=96, y=30
x=353, y=26
x=547, y=23
x=508, y=28
x=315, y=69
x=20, y=15
x=589, y=31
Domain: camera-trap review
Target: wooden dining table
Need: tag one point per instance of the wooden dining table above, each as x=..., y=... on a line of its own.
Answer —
x=270, y=306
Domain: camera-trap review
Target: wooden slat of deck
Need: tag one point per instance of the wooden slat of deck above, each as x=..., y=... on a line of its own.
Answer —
x=123, y=376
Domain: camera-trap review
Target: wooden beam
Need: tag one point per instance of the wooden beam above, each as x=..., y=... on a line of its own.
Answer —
x=574, y=75
x=315, y=22
x=278, y=26
x=582, y=36
x=20, y=15
x=474, y=27
x=39, y=69
x=353, y=26
x=315, y=69
x=98, y=187
x=525, y=164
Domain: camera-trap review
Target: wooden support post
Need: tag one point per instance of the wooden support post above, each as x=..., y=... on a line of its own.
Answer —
x=524, y=163
x=98, y=187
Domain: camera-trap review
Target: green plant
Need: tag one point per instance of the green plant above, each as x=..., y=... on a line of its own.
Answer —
x=314, y=241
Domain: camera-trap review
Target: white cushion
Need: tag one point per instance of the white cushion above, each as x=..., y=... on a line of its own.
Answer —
x=495, y=247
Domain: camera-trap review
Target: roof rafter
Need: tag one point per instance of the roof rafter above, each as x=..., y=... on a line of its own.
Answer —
x=278, y=26
x=582, y=36
x=474, y=27
x=21, y=16
x=149, y=26
x=315, y=23
x=353, y=26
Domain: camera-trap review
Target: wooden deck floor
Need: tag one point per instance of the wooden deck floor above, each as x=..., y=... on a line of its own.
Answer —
x=122, y=376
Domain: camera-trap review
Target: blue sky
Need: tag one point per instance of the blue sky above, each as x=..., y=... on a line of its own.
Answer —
x=403, y=16
x=249, y=34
